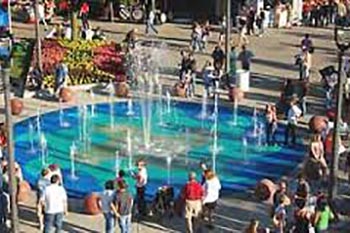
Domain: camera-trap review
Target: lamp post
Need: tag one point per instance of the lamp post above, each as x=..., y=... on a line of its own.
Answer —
x=37, y=36
x=5, y=75
x=342, y=40
x=228, y=35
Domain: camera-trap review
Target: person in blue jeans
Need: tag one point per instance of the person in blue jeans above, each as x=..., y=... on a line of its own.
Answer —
x=54, y=202
x=122, y=207
x=106, y=200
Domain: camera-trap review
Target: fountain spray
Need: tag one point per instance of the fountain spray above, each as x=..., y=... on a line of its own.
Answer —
x=168, y=162
x=129, y=147
x=31, y=136
x=44, y=152
x=92, y=97
x=130, y=111
x=117, y=163
x=73, y=153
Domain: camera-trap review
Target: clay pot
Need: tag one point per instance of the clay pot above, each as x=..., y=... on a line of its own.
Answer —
x=265, y=189
x=66, y=94
x=318, y=123
x=23, y=191
x=121, y=89
x=235, y=94
x=179, y=90
x=16, y=106
x=91, y=204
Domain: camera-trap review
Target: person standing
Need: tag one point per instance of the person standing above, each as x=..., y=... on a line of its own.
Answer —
x=122, y=208
x=54, y=202
x=322, y=216
x=60, y=77
x=245, y=56
x=150, y=23
x=84, y=13
x=251, y=21
x=192, y=194
x=4, y=209
x=260, y=22
x=305, y=64
x=43, y=182
x=218, y=56
x=271, y=124
x=280, y=215
x=211, y=189
x=141, y=182
x=106, y=201
x=293, y=115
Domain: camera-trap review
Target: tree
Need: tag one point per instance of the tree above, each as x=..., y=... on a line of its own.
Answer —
x=74, y=9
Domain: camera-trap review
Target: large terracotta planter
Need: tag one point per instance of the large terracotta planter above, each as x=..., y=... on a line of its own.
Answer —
x=16, y=106
x=235, y=94
x=318, y=123
x=91, y=205
x=179, y=90
x=66, y=94
x=265, y=189
x=23, y=191
x=121, y=89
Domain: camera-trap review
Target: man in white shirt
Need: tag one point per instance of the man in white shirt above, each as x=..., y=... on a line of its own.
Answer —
x=54, y=202
x=293, y=115
x=141, y=182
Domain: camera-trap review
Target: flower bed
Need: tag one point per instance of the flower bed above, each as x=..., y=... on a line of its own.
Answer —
x=87, y=61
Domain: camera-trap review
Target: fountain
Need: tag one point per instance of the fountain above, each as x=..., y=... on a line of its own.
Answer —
x=235, y=108
x=255, y=123
x=129, y=148
x=84, y=132
x=111, y=104
x=44, y=151
x=63, y=123
x=215, y=115
x=92, y=97
x=168, y=101
x=187, y=141
x=38, y=122
x=174, y=140
x=245, y=149
x=130, y=111
x=73, y=153
x=168, y=162
x=31, y=136
x=117, y=166
x=204, y=111
x=160, y=104
x=146, y=111
x=260, y=134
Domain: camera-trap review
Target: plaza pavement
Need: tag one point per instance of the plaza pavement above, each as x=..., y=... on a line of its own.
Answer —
x=273, y=62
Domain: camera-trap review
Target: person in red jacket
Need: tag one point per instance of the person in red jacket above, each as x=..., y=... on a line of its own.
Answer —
x=84, y=12
x=192, y=194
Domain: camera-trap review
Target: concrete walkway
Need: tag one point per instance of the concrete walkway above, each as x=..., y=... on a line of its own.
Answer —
x=273, y=62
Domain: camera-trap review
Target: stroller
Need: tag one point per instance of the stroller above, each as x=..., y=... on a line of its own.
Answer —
x=163, y=202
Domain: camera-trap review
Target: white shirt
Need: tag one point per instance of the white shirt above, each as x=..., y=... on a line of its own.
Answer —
x=107, y=197
x=293, y=114
x=151, y=17
x=211, y=190
x=54, y=198
x=41, y=11
x=142, y=177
